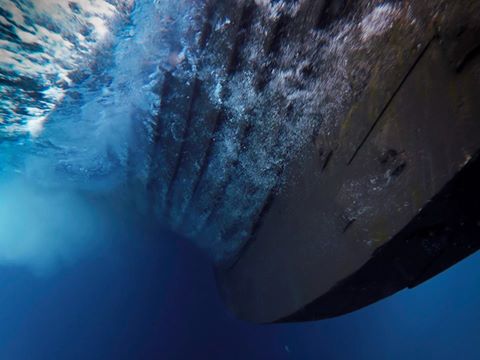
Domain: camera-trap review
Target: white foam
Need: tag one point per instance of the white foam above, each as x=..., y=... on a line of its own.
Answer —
x=379, y=20
x=54, y=26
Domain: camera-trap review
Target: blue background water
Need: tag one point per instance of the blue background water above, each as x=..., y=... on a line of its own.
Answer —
x=155, y=298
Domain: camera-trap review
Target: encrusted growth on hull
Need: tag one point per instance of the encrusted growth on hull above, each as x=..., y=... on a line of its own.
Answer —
x=261, y=79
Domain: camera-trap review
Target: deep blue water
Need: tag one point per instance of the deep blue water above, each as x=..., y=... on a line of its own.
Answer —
x=151, y=299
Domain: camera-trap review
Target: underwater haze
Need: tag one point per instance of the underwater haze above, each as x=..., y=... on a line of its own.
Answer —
x=150, y=295
x=93, y=266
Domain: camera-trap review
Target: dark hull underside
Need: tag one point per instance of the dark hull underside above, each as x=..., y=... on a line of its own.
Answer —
x=384, y=202
x=375, y=193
